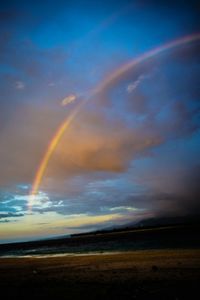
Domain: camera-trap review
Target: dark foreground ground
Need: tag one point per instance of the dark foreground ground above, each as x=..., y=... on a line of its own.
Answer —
x=143, y=274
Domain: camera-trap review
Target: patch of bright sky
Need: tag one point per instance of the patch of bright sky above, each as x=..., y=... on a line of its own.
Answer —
x=52, y=224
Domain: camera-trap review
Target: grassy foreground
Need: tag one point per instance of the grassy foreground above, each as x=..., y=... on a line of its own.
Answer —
x=144, y=274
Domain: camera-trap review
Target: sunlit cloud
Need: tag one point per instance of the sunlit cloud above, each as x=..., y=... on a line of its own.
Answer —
x=123, y=208
x=69, y=99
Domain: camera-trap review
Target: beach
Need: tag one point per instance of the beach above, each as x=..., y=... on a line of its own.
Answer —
x=144, y=274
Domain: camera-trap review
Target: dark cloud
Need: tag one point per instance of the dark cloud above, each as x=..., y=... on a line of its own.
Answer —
x=170, y=192
x=10, y=215
x=6, y=221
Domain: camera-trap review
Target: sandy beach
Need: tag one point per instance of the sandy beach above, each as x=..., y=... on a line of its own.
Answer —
x=145, y=274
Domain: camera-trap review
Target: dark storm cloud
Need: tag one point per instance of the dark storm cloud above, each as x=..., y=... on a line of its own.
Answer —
x=191, y=190
x=95, y=198
x=170, y=193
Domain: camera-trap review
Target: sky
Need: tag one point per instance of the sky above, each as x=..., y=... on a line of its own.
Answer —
x=131, y=148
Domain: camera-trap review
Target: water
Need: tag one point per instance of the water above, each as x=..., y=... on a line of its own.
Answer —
x=61, y=254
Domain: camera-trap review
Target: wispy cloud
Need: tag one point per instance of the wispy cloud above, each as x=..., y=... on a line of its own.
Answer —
x=132, y=86
x=19, y=85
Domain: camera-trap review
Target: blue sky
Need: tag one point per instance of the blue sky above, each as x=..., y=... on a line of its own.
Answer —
x=133, y=151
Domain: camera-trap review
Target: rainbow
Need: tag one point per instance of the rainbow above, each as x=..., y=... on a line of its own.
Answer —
x=110, y=79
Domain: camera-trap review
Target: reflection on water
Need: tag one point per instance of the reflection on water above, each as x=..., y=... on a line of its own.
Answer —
x=61, y=254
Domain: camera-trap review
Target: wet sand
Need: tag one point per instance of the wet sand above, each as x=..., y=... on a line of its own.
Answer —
x=144, y=274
